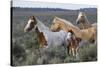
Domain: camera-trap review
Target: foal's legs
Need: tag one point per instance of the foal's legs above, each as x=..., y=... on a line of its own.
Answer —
x=73, y=51
x=77, y=51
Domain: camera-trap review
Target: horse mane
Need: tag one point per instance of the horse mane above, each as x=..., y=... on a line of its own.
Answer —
x=40, y=25
x=66, y=22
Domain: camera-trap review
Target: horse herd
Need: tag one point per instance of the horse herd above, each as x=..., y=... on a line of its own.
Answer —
x=63, y=33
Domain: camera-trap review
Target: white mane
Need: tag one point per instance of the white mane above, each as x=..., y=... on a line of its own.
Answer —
x=41, y=26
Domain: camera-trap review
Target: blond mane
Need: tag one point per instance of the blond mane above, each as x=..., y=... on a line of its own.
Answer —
x=67, y=23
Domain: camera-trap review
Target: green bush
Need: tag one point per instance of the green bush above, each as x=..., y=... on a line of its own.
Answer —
x=88, y=53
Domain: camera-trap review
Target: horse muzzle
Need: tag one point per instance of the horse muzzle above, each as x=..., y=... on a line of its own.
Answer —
x=26, y=30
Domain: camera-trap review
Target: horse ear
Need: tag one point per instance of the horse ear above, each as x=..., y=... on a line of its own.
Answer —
x=82, y=13
x=33, y=18
x=56, y=18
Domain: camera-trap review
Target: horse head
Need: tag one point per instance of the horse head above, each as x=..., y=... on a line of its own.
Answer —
x=56, y=25
x=30, y=24
x=81, y=18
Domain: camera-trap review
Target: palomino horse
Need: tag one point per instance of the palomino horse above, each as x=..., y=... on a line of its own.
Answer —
x=88, y=34
x=83, y=21
x=46, y=37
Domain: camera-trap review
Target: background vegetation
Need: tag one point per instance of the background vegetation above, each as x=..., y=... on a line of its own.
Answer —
x=25, y=47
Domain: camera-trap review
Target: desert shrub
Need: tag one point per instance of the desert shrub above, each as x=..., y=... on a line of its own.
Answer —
x=44, y=59
x=25, y=46
x=88, y=53
x=58, y=51
x=69, y=59
x=31, y=59
x=55, y=60
x=18, y=54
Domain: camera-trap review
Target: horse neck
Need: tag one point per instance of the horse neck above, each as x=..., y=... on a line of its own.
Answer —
x=66, y=26
x=41, y=26
x=72, y=27
x=38, y=30
x=75, y=29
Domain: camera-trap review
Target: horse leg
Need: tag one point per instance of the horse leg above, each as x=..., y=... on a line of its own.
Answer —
x=76, y=52
x=68, y=51
x=93, y=39
x=73, y=52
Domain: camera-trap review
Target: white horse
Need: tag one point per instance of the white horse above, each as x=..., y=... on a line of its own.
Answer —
x=52, y=38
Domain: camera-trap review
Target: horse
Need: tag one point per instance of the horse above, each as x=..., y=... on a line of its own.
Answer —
x=56, y=38
x=88, y=34
x=73, y=44
x=83, y=21
x=47, y=38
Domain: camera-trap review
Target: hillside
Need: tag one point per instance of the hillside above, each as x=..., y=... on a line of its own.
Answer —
x=94, y=10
